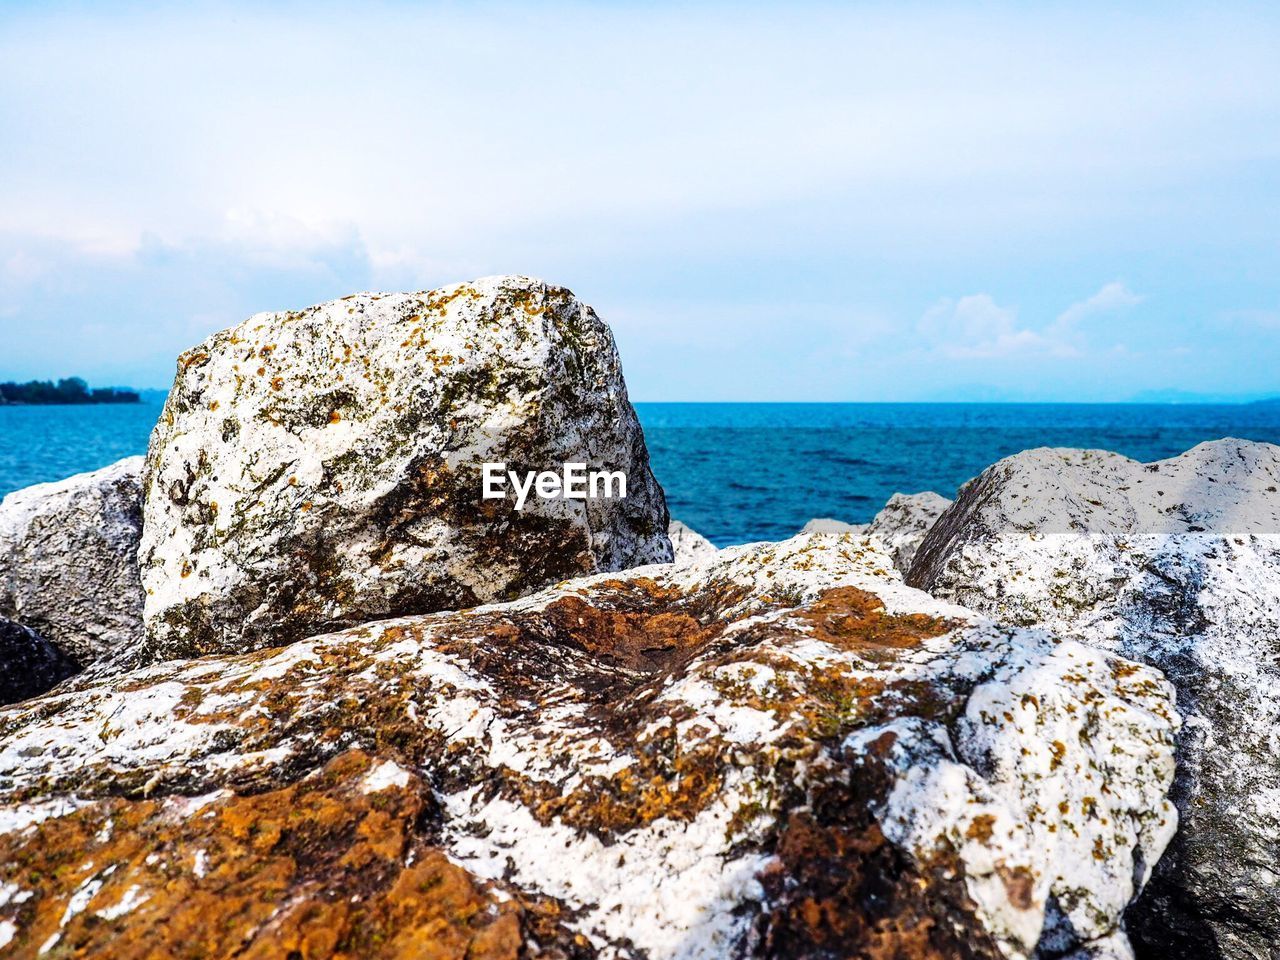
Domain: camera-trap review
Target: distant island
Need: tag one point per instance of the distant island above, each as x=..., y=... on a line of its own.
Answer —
x=66, y=391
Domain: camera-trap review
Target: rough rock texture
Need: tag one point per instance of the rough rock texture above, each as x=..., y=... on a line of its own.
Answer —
x=1175, y=564
x=827, y=525
x=29, y=664
x=335, y=865
x=905, y=521
x=68, y=561
x=317, y=469
x=777, y=751
x=688, y=544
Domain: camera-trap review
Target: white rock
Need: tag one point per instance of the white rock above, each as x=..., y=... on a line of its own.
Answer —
x=901, y=525
x=827, y=525
x=904, y=522
x=1175, y=564
x=687, y=757
x=68, y=561
x=321, y=468
x=688, y=544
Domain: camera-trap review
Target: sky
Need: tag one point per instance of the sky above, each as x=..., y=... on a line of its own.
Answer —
x=776, y=202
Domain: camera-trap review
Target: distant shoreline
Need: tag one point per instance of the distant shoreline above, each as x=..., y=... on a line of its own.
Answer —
x=157, y=396
x=67, y=392
x=70, y=403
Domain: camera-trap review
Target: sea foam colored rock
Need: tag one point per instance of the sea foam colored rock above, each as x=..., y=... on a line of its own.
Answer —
x=688, y=544
x=1174, y=564
x=901, y=525
x=319, y=468
x=905, y=521
x=828, y=525
x=68, y=561
x=779, y=750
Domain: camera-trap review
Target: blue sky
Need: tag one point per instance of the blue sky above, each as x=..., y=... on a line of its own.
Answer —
x=900, y=201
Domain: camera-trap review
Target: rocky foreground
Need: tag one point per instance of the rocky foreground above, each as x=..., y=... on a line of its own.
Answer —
x=1174, y=564
x=320, y=699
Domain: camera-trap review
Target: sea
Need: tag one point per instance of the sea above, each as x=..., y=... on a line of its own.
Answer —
x=740, y=472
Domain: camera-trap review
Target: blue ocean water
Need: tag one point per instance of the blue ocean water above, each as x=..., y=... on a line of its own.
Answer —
x=38, y=444
x=738, y=472
x=742, y=472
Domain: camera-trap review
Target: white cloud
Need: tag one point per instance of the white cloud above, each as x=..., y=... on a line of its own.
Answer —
x=975, y=327
x=1113, y=297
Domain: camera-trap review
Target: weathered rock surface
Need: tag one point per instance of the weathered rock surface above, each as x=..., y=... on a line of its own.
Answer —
x=29, y=664
x=317, y=469
x=827, y=525
x=901, y=525
x=687, y=544
x=68, y=561
x=905, y=521
x=777, y=751
x=334, y=865
x=1175, y=564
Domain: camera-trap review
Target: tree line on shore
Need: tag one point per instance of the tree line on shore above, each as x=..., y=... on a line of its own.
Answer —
x=68, y=390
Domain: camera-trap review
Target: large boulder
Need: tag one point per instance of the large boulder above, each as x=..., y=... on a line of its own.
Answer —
x=29, y=664
x=68, y=561
x=1174, y=564
x=905, y=521
x=316, y=469
x=777, y=751
x=687, y=544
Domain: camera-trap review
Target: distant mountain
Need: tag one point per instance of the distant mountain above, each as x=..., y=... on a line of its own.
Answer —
x=1189, y=396
x=974, y=393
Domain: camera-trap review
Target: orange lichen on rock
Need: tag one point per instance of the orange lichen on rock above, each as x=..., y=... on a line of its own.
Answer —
x=331, y=867
x=713, y=750
x=664, y=782
x=634, y=639
x=850, y=618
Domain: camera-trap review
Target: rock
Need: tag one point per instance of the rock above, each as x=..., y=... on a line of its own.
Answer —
x=31, y=664
x=317, y=469
x=688, y=544
x=827, y=525
x=779, y=750
x=904, y=522
x=1175, y=564
x=330, y=866
x=68, y=561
